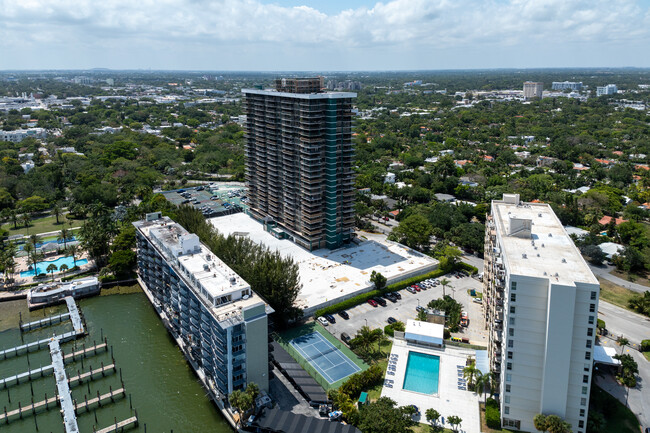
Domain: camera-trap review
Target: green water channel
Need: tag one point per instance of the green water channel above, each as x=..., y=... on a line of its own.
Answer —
x=163, y=389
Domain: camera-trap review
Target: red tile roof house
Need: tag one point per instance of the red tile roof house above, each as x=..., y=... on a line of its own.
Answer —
x=608, y=219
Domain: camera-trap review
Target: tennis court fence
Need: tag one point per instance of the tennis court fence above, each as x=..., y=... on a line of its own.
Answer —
x=295, y=354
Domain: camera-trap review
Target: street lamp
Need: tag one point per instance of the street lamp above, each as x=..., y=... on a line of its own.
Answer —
x=418, y=302
x=366, y=321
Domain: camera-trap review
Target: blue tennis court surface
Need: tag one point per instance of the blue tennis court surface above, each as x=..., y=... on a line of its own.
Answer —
x=329, y=361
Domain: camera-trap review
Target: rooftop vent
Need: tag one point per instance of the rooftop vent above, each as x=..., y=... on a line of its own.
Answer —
x=563, y=260
x=524, y=256
x=233, y=280
x=542, y=245
x=545, y=273
x=206, y=267
x=539, y=215
x=537, y=253
x=550, y=235
x=556, y=275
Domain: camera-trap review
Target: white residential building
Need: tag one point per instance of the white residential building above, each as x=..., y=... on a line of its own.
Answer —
x=20, y=134
x=562, y=85
x=541, y=308
x=533, y=90
x=609, y=89
x=389, y=178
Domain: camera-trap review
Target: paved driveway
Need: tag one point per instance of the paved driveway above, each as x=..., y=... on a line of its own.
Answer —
x=404, y=309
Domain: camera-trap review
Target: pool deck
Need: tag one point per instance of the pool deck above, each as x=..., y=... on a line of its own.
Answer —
x=450, y=400
x=23, y=265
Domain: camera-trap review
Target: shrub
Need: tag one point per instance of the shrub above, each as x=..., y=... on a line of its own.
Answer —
x=391, y=328
x=600, y=324
x=388, y=330
x=360, y=381
x=446, y=334
x=645, y=346
x=492, y=414
x=360, y=299
x=466, y=267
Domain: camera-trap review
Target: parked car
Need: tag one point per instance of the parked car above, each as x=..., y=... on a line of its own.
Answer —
x=323, y=321
x=345, y=337
x=330, y=318
x=410, y=289
x=391, y=320
x=396, y=294
x=392, y=298
x=419, y=308
x=373, y=302
x=478, y=300
x=344, y=314
x=380, y=301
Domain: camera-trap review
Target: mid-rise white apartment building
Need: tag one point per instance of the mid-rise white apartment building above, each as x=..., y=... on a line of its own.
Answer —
x=533, y=90
x=541, y=307
x=609, y=89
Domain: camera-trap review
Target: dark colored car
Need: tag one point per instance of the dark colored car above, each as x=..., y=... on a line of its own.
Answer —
x=380, y=301
x=372, y=302
x=345, y=337
x=344, y=314
x=391, y=320
x=329, y=318
x=419, y=308
x=396, y=294
x=392, y=298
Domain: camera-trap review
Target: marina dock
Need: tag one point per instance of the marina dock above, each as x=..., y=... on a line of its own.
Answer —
x=48, y=321
x=133, y=421
x=63, y=389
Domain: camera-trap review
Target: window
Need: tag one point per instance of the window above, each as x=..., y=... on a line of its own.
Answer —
x=592, y=308
x=508, y=377
x=506, y=410
x=513, y=285
x=512, y=321
x=513, y=297
x=507, y=399
x=590, y=332
x=591, y=320
x=581, y=423
x=508, y=388
x=587, y=367
x=587, y=355
x=585, y=378
x=511, y=332
x=593, y=296
x=509, y=355
x=509, y=366
x=583, y=401
x=512, y=423
x=584, y=390
x=588, y=344
x=512, y=309
x=582, y=412
x=511, y=343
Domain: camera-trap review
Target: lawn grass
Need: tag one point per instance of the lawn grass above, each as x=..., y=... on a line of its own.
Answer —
x=618, y=418
x=485, y=428
x=426, y=428
x=41, y=225
x=615, y=294
x=637, y=278
x=647, y=355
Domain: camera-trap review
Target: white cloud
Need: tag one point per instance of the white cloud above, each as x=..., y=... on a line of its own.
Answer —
x=33, y=25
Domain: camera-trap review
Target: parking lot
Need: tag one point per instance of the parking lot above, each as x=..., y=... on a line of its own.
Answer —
x=405, y=308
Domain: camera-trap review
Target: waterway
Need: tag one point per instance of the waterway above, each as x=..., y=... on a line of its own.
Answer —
x=164, y=390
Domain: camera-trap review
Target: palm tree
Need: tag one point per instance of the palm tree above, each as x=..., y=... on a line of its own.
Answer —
x=539, y=421
x=64, y=234
x=432, y=416
x=482, y=385
x=74, y=251
x=63, y=268
x=381, y=339
x=622, y=341
x=364, y=338
x=471, y=373
x=56, y=212
x=34, y=239
x=14, y=217
x=454, y=421
x=25, y=219
x=51, y=268
x=444, y=283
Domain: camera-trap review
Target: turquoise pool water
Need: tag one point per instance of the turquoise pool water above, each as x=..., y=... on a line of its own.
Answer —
x=41, y=267
x=422, y=373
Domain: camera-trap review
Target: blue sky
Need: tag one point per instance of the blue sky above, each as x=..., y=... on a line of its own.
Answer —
x=323, y=35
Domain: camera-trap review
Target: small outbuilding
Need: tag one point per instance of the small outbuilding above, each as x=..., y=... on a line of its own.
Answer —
x=424, y=333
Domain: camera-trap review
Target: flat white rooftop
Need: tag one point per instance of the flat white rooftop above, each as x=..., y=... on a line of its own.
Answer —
x=323, y=95
x=329, y=275
x=546, y=252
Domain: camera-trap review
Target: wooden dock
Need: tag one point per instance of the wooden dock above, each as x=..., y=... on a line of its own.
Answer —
x=90, y=374
x=28, y=410
x=86, y=404
x=133, y=421
x=29, y=375
x=85, y=351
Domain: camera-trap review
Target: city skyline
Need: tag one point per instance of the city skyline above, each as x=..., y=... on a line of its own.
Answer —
x=330, y=36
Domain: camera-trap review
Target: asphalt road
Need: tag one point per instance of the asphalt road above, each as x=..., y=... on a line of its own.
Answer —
x=618, y=321
x=603, y=272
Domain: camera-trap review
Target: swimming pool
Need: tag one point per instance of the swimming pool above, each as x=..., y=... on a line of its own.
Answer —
x=422, y=372
x=41, y=267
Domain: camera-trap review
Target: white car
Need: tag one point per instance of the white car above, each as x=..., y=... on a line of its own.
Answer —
x=323, y=321
x=478, y=300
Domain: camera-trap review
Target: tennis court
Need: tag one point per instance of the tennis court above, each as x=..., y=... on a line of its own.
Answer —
x=329, y=361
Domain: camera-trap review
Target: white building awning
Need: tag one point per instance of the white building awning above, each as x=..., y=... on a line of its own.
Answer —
x=424, y=332
x=605, y=355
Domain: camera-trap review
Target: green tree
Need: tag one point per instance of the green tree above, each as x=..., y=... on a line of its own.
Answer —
x=26, y=219
x=555, y=424
x=471, y=374
x=414, y=231
x=383, y=416
x=56, y=212
x=444, y=283
x=63, y=236
x=63, y=269
x=622, y=341
x=455, y=422
x=539, y=421
x=595, y=422
x=628, y=370
x=122, y=262
x=378, y=280
x=51, y=268
x=432, y=416
x=74, y=251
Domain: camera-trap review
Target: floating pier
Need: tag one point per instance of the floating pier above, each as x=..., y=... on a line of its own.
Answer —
x=89, y=375
x=48, y=321
x=30, y=409
x=70, y=357
x=28, y=375
x=129, y=422
x=86, y=404
x=65, y=398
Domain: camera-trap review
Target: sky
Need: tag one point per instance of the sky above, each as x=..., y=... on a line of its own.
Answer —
x=323, y=35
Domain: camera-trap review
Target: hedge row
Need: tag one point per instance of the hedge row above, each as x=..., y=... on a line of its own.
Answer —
x=467, y=267
x=492, y=414
x=645, y=346
x=363, y=380
x=391, y=328
x=360, y=299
